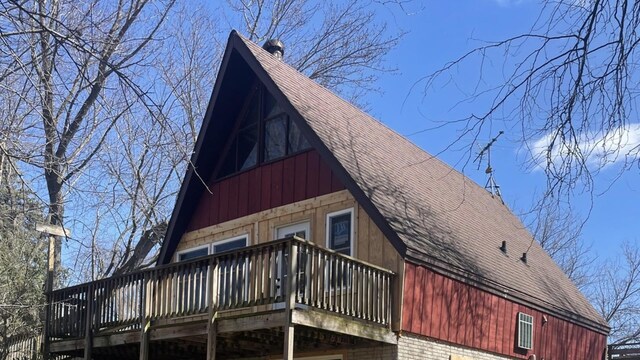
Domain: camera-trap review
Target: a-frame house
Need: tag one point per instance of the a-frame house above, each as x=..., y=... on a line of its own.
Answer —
x=304, y=228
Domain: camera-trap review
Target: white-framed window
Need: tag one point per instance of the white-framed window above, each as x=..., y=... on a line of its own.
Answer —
x=234, y=243
x=232, y=269
x=301, y=230
x=321, y=357
x=340, y=231
x=192, y=253
x=192, y=284
x=525, y=331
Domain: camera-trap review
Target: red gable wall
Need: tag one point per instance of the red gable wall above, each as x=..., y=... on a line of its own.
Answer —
x=442, y=308
x=299, y=177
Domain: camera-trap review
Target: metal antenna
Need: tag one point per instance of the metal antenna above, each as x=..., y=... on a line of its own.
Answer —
x=491, y=184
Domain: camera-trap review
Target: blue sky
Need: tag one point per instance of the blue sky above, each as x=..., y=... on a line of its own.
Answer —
x=441, y=31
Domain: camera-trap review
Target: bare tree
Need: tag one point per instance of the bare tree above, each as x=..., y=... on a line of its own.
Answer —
x=569, y=86
x=71, y=67
x=559, y=232
x=616, y=295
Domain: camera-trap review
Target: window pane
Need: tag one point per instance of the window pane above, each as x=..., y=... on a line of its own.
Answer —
x=275, y=138
x=271, y=106
x=247, y=148
x=229, y=164
x=297, y=142
x=340, y=233
x=193, y=254
x=525, y=331
x=252, y=114
x=230, y=245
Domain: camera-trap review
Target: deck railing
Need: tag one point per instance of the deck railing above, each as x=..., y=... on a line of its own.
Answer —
x=249, y=277
x=22, y=348
x=629, y=351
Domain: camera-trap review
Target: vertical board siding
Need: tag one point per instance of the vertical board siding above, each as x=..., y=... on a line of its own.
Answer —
x=288, y=179
x=300, y=177
x=296, y=178
x=276, y=183
x=409, y=296
x=446, y=309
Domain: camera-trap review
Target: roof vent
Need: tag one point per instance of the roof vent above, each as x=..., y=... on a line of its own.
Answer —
x=503, y=247
x=274, y=47
x=524, y=257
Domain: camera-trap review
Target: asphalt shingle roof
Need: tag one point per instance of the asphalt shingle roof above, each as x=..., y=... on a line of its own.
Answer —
x=445, y=219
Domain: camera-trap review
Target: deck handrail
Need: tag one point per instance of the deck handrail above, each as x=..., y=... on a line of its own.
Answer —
x=22, y=347
x=628, y=351
x=235, y=279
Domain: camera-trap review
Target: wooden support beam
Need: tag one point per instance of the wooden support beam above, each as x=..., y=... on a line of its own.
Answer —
x=51, y=255
x=212, y=336
x=289, y=333
x=145, y=323
x=46, y=341
x=212, y=324
x=88, y=330
x=291, y=289
x=144, y=341
x=344, y=325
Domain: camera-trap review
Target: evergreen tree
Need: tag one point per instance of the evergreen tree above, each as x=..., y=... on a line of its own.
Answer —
x=23, y=255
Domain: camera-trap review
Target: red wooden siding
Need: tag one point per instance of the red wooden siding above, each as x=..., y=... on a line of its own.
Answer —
x=282, y=182
x=442, y=308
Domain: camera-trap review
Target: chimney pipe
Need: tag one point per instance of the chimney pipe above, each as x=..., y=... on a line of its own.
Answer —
x=274, y=47
x=524, y=258
x=503, y=248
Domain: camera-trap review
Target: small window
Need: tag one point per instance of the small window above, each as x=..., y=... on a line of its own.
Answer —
x=301, y=230
x=229, y=244
x=193, y=253
x=525, y=331
x=340, y=231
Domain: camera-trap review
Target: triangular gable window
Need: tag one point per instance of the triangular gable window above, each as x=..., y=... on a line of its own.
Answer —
x=264, y=133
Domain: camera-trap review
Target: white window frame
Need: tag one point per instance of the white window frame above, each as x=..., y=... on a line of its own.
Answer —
x=224, y=241
x=246, y=238
x=320, y=357
x=304, y=225
x=295, y=227
x=205, y=295
x=195, y=248
x=525, y=319
x=350, y=211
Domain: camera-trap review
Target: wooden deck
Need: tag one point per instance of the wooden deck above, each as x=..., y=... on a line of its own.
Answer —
x=629, y=351
x=258, y=295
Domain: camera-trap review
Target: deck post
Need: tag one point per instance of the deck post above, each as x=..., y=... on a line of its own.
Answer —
x=47, y=326
x=291, y=287
x=46, y=335
x=145, y=323
x=212, y=325
x=88, y=330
